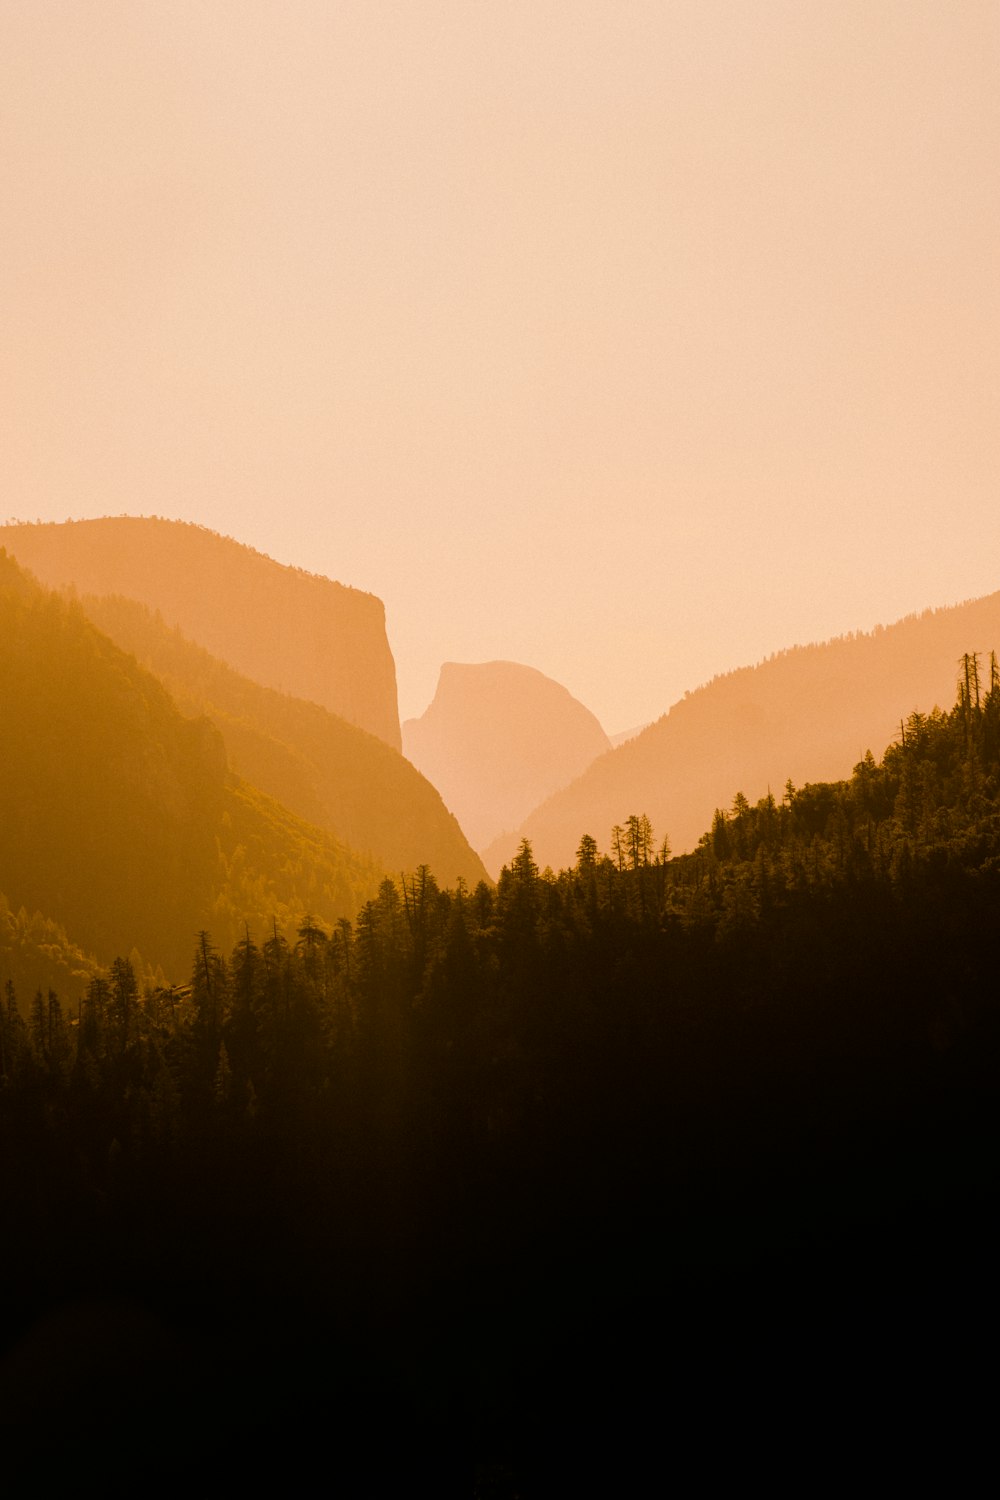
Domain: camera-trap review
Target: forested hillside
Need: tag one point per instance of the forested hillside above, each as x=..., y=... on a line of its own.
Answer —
x=493, y=1147
x=36, y=954
x=121, y=821
x=810, y=714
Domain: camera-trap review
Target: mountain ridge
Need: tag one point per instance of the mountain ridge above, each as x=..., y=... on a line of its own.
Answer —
x=807, y=713
x=290, y=629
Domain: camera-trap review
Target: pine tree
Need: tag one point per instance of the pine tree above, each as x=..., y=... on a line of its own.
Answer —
x=586, y=854
x=124, y=1003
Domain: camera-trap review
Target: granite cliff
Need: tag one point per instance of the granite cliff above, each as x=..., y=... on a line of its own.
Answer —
x=293, y=631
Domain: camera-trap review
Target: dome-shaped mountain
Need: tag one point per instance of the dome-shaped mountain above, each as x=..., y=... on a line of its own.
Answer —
x=497, y=738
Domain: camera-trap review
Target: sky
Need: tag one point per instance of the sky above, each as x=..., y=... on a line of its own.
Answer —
x=633, y=341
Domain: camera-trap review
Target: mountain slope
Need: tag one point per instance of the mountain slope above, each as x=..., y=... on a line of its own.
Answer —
x=808, y=714
x=36, y=954
x=318, y=765
x=291, y=630
x=120, y=818
x=498, y=737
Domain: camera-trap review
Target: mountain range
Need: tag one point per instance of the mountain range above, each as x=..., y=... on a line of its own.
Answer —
x=321, y=767
x=807, y=714
x=132, y=733
x=123, y=825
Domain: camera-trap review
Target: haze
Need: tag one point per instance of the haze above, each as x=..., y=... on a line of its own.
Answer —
x=629, y=342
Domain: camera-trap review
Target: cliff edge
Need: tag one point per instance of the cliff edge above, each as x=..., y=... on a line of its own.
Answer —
x=294, y=631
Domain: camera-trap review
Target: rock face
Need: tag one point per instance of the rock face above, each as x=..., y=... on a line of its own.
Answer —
x=497, y=739
x=808, y=714
x=290, y=630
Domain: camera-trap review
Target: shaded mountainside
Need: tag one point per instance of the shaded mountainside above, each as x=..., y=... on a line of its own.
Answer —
x=291, y=630
x=496, y=739
x=808, y=714
x=119, y=816
x=318, y=765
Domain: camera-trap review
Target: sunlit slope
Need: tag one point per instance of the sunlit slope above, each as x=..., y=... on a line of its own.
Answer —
x=808, y=714
x=120, y=819
x=288, y=629
x=496, y=739
x=37, y=954
x=318, y=765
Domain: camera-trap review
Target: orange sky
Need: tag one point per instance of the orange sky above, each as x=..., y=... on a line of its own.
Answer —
x=629, y=340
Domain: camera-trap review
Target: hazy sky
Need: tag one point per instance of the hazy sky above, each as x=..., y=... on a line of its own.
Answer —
x=630, y=340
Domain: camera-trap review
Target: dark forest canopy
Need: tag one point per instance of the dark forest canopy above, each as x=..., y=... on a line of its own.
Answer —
x=503, y=1126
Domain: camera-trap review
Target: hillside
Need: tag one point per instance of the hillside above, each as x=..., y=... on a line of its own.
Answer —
x=318, y=765
x=36, y=954
x=291, y=630
x=496, y=739
x=121, y=820
x=807, y=714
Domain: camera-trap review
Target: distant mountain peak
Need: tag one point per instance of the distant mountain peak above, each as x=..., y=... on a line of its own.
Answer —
x=498, y=736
